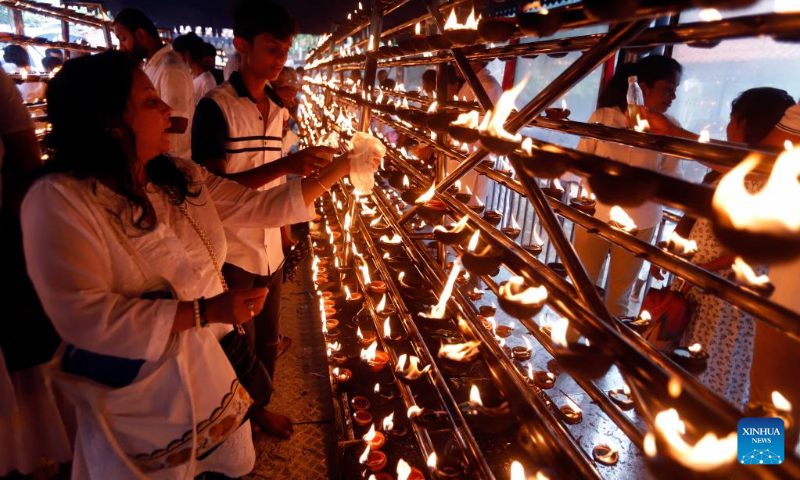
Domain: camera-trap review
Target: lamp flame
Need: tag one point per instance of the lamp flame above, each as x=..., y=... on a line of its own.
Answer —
x=432, y=460
x=406, y=183
x=642, y=125
x=417, y=29
x=452, y=22
x=517, y=471
x=370, y=434
x=494, y=123
x=558, y=332
x=394, y=240
x=438, y=311
x=364, y=456
x=705, y=137
x=433, y=107
x=708, y=454
x=413, y=411
x=427, y=195
x=459, y=351
x=368, y=354
x=529, y=296
x=347, y=292
x=623, y=221
x=388, y=422
x=780, y=402
x=475, y=397
x=387, y=328
x=403, y=470
x=473, y=241
x=470, y=119
x=695, y=348
x=412, y=371
x=681, y=245
x=746, y=275
x=710, y=15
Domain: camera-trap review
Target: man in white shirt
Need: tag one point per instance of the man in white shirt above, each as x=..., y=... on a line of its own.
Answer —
x=138, y=36
x=192, y=49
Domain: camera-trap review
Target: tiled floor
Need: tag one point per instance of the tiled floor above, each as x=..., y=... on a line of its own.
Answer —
x=302, y=392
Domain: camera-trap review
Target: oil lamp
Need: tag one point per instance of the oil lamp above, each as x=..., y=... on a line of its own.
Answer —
x=512, y=231
x=520, y=301
x=494, y=136
x=679, y=246
x=375, y=440
x=497, y=29
x=621, y=221
x=482, y=261
x=342, y=375
x=544, y=380
x=622, y=397
x=393, y=245
x=522, y=353
x=461, y=34
x=576, y=357
x=555, y=190
x=458, y=357
x=457, y=235
x=585, y=202
x=540, y=23
x=536, y=247
x=362, y=417
x=558, y=113
x=780, y=408
x=375, y=359
x=487, y=310
x=410, y=373
x=746, y=276
x=605, y=455
x=571, y=412
x=692, y=358
x=489, y=419
x=407, y=472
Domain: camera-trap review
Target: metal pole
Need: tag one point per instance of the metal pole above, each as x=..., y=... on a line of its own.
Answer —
x=370, y=67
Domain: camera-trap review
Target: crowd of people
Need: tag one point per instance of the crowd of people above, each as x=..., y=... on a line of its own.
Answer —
x=147, y=252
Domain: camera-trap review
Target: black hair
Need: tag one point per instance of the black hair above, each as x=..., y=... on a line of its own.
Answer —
x=50, y=63
x=429, y=76
x=133, y=19
x=388, y=84
x=190, y=44
x=209, y=50
x=51, y=52
x=86, y=101
x=761, y=109
x=17, y=55
x=615, y=91
x=254, y=17
x=653, y=68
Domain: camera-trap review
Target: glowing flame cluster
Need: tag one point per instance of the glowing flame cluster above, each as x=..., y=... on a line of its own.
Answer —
x=452, y=22
x=622, y=220
x=459, y=351
x=494, y=122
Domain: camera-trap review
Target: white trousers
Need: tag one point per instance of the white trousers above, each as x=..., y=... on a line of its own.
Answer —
x=623, y=270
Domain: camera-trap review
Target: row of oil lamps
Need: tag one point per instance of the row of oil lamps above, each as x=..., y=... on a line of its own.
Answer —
x=482, y=260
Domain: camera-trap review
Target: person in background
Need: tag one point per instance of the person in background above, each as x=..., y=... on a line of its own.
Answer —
x=238, y=127
x=31, y=428
x=429, y=83
x=388, y=84
x=658, y=77
x=210, y=62
x=454, y=83
x=382, y=75
x=775, y=351
x=55, y=52
x=138, y=37
x=18, y=61
x=725, y=331
x=301, y=72
x=355, y=76
x=52, y=64
x=191, y=48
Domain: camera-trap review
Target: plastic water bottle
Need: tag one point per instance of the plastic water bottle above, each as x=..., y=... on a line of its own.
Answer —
x=636, y=110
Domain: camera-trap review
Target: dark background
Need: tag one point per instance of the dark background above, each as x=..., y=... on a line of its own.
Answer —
x=314, y=16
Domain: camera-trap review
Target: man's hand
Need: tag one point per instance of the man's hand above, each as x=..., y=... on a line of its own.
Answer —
x=307, y=161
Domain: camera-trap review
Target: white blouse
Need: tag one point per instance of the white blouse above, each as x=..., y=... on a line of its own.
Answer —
x=91, y=268
x=648, y=214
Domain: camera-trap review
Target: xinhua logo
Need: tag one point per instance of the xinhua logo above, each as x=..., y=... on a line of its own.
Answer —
x=760, y=441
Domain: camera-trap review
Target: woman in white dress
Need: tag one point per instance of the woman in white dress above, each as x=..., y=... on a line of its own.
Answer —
x=123, y=246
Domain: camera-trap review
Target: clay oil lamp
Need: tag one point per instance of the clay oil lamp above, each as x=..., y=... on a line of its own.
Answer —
x=462, y=196
x=377, y=287
x=577, y=357
x=476, y=294
x=495, y=419
x=668, y=450
x=360, y=403
x=488, y=322
x=494, y=136
x=621, y=221
x=745, y=275
x=392, y=246
x=430, y=210
x=512, y=231
x=447, y=469
x=419, y=41
x=342, y=375
x=376, y=440
x=413, y=286
x=694, y=358
x=458, y=234
x=558, y=269
x=365, y=339
x=379, y=227
x=481, y=261
x=504, y=331
x=540, y=23
x=407, y=472
x=679, y=246
x=427, y=418
x=392, y=335
x=558, y=113
x=522, y=353
x=375, y=359
x=331, y=324
x=465, y=127
x=571, y=412
x=605, y=455
x=362, y=418
x=461, y=34
x=497, y=29
x=544, y=380
x=374, y=461
x=487, y=310
x=641, y=324
x=779, y=408
x=555, y=190
x=520, y=301
x=440, y=121
x=458, y=357
x=408, y=371
x=353, y=299
x=385, y=308
x=622, y=397
x=536, y=247
x=585, y=202
x=493, y=217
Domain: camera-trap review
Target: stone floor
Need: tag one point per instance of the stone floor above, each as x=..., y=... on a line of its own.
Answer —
x=302, y=392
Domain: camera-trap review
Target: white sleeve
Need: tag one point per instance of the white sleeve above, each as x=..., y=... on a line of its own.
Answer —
x=240, y=206
x=71, y=268
x=176, y=88
x=15, y=117
x=586, y=144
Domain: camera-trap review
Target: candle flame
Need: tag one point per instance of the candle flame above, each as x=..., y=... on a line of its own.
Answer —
x=403, y=470
x=459, y=351
x=746, y=275
x=681, y=245
x=347, y=292
x=475, y=397
x=773, y=209
x=558, y=332
x=396, y=239
x=642, y=125
x=452, y=22
x=494, y=122
x=786, y=6
x=695, y=348
x=364, y=456
x=406, y=183
x=387, y=328
x=413, y=411
x=564, y=103
x=388, y=422
x=514, y=223
x=418, y=29
x=377, y=388
x=438, y=311
x=624, y=222
x=473, y=241
x=780, y=402
x=412, y=371
x=370, y=436
x=705, y=136
x=710, y=15
x=708, y=454
x=517, y=471
x=674, y=387
x=427, y=195
x=368, y=354
x=432, y=460
x=365, y=271
x=433, y=107
x=469, y=120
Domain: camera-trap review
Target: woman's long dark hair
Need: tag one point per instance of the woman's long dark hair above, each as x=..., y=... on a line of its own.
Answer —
x=761, y=109
x=89, y=139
